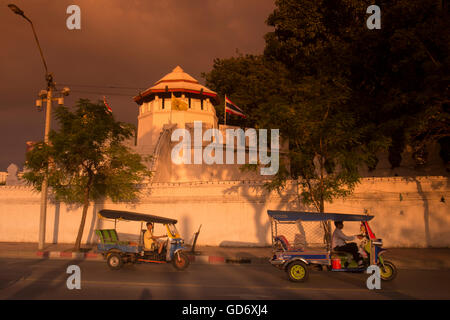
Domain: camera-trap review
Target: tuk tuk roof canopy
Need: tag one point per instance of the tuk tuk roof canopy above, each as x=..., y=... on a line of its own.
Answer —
x=313, y=216
x=134, y=216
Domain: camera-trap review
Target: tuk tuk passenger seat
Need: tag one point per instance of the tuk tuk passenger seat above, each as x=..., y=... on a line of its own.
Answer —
x=284, y=242
x=109, y=236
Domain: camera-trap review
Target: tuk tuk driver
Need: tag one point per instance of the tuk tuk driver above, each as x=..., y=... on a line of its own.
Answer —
x=338, y=242
x=151, y=241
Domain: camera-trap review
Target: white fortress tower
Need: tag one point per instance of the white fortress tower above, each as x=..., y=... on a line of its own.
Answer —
x=178, y=99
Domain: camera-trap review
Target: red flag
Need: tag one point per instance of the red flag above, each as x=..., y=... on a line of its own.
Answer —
x=107, y=105
x=230, y=107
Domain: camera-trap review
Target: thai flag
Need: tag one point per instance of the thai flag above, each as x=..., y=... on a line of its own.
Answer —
x=230, y=107
x=107, y=105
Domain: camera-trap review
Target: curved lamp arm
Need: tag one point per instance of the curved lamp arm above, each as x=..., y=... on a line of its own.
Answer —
x=19, y=12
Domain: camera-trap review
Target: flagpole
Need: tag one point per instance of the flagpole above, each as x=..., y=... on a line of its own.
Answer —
x=225, y=110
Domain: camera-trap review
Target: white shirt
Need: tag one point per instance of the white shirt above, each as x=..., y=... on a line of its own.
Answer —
x=339, y=238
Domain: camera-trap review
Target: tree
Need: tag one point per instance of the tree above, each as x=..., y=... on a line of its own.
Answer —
x=307, y=95
x=87, y=159
x=399, y=75
x=245, y=79
x=341, y=92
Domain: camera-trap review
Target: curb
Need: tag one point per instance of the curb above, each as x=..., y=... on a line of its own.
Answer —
x=196, y=259
x=68, y=255
x=211, y=259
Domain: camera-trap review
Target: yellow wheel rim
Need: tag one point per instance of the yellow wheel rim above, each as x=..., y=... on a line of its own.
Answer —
x=385, y=271
x=297, y=272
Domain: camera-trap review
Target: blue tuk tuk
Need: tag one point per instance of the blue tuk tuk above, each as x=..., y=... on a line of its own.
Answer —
x=303, y=239
x=118, y=252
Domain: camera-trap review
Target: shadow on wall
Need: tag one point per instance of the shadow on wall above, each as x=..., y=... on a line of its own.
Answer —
x=426, y=211
x=56, y=222
x=95, y=223
x=258, y=203
x=257, y=195
x=185, y=226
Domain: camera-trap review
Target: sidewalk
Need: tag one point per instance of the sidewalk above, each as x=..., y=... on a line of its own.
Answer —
x=403, y=258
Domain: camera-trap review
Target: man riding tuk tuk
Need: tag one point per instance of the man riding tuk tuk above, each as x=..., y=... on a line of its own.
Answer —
x=303, y=239
x=118, y=252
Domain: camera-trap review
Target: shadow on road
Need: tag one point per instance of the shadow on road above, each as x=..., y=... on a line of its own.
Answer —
x=44, y=282
x=19, y=269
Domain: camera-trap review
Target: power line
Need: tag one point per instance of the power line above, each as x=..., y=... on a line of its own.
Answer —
x=104, y=93
x=97, y=86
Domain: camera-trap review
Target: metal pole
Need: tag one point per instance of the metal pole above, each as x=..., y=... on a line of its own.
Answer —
x=39, y=46
x=43, y=215
x=50, y=87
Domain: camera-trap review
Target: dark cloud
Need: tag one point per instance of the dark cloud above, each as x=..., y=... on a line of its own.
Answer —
x=128, y=43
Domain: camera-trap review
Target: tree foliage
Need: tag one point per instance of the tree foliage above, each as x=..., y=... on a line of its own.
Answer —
x=87, y=159
x=341, y=92
x=245, y=79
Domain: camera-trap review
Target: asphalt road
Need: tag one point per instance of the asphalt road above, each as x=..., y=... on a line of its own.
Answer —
x=46, y=279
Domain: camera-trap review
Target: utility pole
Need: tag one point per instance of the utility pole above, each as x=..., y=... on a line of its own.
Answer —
x=49, y=96
x=44, y=192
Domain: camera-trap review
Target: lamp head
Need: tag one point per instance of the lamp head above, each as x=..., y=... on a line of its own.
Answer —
x=15, y=9
x=39, y=104
x=65, y=91
x=43, y=94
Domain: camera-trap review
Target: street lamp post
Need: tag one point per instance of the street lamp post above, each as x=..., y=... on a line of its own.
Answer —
x=48, y=95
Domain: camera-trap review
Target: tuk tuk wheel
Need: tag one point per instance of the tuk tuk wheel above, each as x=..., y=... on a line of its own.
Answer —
x=114, y=261
x=180, y=261
x=297, y=271
x=388, y=272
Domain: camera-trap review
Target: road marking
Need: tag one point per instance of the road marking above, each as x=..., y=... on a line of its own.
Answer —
x=193, y=285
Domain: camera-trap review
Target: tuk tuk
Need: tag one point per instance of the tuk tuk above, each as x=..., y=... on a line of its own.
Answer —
x=303, y=239
x=117, y=252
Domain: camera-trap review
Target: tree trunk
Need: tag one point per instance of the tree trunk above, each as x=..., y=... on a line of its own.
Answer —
x=326, y=224
x=81, y=228
x=322, y=205
x=83, y=216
